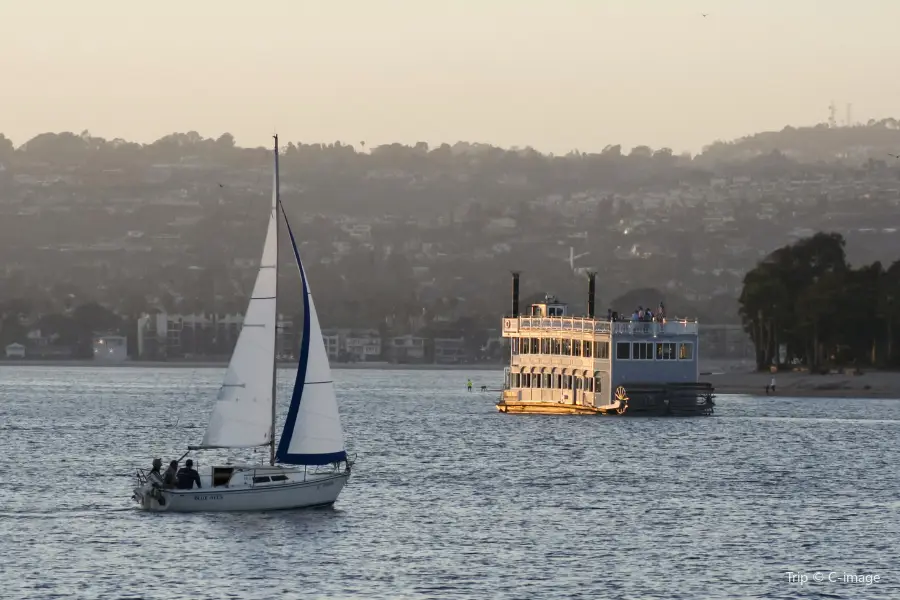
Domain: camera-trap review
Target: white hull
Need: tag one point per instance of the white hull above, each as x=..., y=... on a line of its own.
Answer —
x=296, y=490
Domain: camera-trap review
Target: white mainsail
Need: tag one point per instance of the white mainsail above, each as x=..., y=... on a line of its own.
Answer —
x=242, y=415
x=312, y=432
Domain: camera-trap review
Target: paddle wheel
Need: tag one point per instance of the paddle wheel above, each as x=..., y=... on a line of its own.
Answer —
x=622, y=399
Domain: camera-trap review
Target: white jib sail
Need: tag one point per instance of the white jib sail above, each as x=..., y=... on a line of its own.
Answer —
x=242, y=415
x=317, y=432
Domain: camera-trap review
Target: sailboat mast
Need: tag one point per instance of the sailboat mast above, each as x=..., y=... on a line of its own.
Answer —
x=275, y=207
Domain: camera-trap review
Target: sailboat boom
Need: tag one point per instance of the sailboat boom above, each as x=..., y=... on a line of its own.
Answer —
x=229, y=446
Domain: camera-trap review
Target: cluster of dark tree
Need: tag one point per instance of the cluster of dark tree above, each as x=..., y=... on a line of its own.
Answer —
x=74, y=330
x=807, y=298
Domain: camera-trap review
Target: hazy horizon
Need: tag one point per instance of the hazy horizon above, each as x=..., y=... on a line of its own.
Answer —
x=554, y=75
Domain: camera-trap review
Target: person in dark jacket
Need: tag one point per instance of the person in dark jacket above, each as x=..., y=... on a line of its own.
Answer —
x=187, y=476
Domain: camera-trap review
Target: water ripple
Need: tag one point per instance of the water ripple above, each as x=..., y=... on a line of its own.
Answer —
x=450, y=499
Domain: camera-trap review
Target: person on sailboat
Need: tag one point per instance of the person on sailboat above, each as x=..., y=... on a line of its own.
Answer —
x=154, y=476
x=187, y=476
x=170, y=477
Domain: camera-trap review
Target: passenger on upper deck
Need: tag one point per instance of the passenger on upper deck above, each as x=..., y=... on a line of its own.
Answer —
x=642, y=314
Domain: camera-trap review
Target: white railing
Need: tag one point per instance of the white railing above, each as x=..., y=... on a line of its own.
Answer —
x=513, y=325
x=638, y=328
x=563, y=324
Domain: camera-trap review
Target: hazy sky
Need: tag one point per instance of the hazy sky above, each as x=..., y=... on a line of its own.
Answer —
x=553, y=74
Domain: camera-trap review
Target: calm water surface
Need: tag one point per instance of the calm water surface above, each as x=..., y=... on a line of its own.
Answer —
x=450, y=499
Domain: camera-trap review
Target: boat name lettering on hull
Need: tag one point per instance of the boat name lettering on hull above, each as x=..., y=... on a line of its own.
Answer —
x=208, y=497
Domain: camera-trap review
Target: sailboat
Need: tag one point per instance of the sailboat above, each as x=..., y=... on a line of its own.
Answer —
x=309, y=466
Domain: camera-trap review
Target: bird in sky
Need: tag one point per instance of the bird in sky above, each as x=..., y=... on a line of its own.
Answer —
x=704, y=14
x=894, y=155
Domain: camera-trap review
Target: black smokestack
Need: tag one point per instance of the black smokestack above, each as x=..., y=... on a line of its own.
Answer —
x=515, y=294
x=592, y=284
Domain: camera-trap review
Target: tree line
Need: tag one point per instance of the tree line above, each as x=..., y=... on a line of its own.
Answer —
x=791, y=145
x=807, y=301
x=74, y=329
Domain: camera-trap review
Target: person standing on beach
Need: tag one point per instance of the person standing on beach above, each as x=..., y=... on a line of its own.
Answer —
x=469, y=385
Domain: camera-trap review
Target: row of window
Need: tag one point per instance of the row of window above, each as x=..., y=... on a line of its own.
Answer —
x=560, y=347
x=624, y=350
x=654, y=351
x=553, y=381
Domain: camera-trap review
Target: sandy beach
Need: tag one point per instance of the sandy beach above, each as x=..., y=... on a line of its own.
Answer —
x=739, y=377
x=728, y=377
x=876, y=384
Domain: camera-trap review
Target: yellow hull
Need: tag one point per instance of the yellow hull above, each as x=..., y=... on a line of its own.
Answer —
x=546, y=408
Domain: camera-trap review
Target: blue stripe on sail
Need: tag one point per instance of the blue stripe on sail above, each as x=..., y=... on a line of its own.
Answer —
x=313, y=459
x=288, y=432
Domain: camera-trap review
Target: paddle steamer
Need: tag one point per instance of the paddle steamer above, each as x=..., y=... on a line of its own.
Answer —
x=565, y=364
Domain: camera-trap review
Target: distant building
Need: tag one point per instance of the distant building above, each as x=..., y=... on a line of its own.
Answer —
x=332, y=340
x=15, y=350
x=37, y=340
x=45, y=347
x=359, y=231
x=363, y=345
x=407, y=349
x=153, y=336
x=449, y=350
x=161, y=336
x=110, y=348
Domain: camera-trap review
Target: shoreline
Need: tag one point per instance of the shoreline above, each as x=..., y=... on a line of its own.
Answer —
x=858, y=394
x=221, y=364
x=869, y=385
